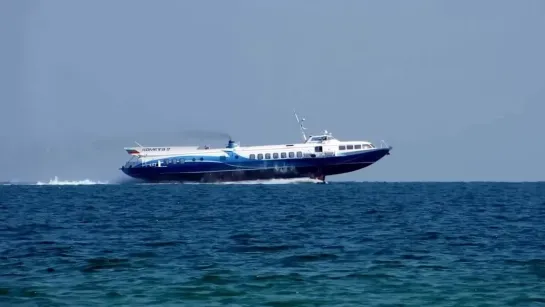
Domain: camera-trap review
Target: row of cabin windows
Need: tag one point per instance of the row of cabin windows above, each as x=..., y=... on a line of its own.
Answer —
x=357, y=146
x=276, y=155
x=299, y=154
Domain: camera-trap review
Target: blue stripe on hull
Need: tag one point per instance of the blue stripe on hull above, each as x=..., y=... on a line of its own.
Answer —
x=245, y=169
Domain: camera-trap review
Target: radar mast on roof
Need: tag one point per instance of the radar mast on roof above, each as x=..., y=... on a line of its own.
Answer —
x=301, y=126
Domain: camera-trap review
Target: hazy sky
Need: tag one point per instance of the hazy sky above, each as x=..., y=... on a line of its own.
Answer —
x=457, y=87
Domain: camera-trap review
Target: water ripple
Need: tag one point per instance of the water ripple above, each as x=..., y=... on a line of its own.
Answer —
x=346, y=244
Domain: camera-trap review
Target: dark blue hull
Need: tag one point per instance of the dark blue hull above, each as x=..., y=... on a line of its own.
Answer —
x=212, y=171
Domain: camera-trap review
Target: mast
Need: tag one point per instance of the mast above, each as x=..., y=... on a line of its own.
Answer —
x=301, y=126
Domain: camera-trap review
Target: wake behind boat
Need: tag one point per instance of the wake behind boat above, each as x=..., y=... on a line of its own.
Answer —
x=317, y=157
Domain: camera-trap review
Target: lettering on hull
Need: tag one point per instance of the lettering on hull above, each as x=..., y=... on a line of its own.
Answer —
x=157, y=149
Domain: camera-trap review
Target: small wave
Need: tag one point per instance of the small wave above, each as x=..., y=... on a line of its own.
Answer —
x=56, y=181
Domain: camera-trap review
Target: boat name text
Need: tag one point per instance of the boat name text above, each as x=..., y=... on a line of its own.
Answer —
x=156, y=149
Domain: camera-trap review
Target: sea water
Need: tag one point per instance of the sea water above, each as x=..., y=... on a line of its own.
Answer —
x=302, y=244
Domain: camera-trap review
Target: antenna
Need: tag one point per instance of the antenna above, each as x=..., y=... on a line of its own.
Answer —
x=301, y=125
x=138, y=144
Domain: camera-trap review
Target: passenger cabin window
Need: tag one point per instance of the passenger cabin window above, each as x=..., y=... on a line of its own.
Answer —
x=267, y=156
x=357, y=146
x=291, y=155
x=275, y=155
x=349, y=147
x=318, y=149
x=283, y=155
x=366, y=146
x=260, y=156
x=299, y=154
x=342, y=147
x=252, y=156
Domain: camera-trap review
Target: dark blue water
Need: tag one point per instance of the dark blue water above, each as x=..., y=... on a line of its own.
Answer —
x=343, y=244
